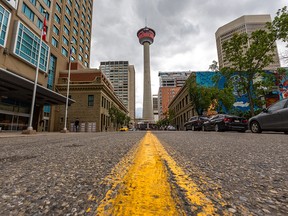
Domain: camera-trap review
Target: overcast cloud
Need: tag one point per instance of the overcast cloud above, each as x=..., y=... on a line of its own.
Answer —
x=185, y=33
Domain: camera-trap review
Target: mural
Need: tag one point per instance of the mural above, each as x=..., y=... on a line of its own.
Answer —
x=205, y=78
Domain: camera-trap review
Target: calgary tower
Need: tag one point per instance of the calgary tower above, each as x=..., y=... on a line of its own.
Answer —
x=146, y=37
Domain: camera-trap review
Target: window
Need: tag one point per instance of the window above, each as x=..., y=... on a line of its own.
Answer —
x=56, y=18
x=58, y=8
x=80, y=58
x=87, y=48
x=90, y=100
x=51, y=72
x=69, y=2
x=4, y=22
x=64, y=52
x=68, y=11
x=33, y=2
x=67, y=20
x=27, y=47
x=47, y=2
x=54, y=42
x=55, y=30
x=65, y=41
x=75, y=31
x=81, y=40
x=81, y=49
x=75, y=22
x=76, y=13
x=74, y=41
x=86, y=56
x=77, y=5
x=82, y=32
x=83, y=16
x=73, y=50
x=39, y=23
x=28, y=12
x=66, y=30
x=86, y=64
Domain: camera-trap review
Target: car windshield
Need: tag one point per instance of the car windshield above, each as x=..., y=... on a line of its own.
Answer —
x=278, y=105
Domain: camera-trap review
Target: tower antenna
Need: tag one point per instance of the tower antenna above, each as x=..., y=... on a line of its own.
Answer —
x=145, y=21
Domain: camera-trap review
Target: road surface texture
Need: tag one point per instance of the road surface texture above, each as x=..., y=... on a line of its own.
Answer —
x=132, y=173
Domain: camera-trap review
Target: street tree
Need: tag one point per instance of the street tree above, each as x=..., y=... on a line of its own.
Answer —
x=248, y=55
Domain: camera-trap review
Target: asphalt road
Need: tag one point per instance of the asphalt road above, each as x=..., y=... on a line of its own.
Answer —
x=66, y=174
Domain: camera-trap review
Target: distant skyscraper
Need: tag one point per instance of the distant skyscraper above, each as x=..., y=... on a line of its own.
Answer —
x=245, y=24
x=169, y=85
x=146, y=37
x=21, y=23
x=155, y=107
x=122, y=77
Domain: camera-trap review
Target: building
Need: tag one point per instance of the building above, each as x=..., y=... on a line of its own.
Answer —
x=244, y=24
x=155, y=107
x=169, y=84
x=146, y=38
x=94, y=96
x=21, y=25
x=122, y=77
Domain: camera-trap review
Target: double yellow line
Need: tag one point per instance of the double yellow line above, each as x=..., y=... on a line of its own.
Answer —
x=154, y=185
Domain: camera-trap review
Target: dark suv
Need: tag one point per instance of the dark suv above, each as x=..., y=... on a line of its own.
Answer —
x=195, y=123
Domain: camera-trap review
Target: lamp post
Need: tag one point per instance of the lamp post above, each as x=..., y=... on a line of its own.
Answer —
x=67, y=96
x=30, y=127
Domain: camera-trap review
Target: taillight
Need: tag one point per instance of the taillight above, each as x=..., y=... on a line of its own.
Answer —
x=244, y=121
x=227, y=120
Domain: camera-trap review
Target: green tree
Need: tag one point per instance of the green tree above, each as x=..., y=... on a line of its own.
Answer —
x=250, y=54
x=118, y=117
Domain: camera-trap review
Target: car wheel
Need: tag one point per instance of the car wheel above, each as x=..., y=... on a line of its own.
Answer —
x=192, y=128
x=255, y=127
x=203, y=128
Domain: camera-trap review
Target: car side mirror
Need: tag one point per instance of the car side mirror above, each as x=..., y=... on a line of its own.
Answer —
x=265, y=110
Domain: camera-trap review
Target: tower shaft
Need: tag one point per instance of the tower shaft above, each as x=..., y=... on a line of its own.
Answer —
x=147, y=96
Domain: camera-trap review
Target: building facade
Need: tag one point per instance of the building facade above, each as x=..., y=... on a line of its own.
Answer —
x=169, y=85
x=122, y=77
x=244, y=24
x=21, y=23
x=94, y=96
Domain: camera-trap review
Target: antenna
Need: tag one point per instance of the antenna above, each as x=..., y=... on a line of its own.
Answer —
x=145, y=21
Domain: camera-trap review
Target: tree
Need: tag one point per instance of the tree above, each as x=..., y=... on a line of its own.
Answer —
x=202, y=97
x=214, y=66
x=118, y=117
x=250, y=54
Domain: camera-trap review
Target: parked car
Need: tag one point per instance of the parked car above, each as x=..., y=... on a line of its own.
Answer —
x=171, y=128
x=195, y=123
x=273, y=118
x=124, y=129
x=222, y=122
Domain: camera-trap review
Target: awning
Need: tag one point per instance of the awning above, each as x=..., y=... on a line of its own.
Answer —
x=18, y=87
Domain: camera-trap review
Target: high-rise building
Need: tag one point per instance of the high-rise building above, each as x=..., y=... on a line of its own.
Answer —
x=122, y=77
x=169, y=85
x=244, y=24
x=146, y=38
x=21, y=23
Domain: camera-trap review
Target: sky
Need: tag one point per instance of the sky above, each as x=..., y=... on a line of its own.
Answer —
x=185, y=33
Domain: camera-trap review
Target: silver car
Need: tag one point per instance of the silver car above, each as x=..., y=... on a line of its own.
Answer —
x=274, y=118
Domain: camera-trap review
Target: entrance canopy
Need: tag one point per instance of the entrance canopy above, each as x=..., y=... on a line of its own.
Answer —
x=17, y=87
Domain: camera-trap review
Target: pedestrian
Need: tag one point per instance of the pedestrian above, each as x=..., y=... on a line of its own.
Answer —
x=76, y=124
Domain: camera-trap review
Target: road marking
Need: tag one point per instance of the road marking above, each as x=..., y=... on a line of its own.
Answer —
x=145, y=189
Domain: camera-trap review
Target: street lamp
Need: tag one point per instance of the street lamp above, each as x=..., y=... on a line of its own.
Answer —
x=30, y=127
x=67, y=96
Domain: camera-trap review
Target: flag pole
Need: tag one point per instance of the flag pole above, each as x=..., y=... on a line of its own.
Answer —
x=68, y=86
x=30, y=127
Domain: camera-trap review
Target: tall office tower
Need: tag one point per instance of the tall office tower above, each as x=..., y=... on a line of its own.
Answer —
x=122, y=77
x=245, y=24
x=169, y=84
x=146, y=37
x=21, y=23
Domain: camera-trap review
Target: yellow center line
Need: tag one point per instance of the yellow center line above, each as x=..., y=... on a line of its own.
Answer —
x=145, y=189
